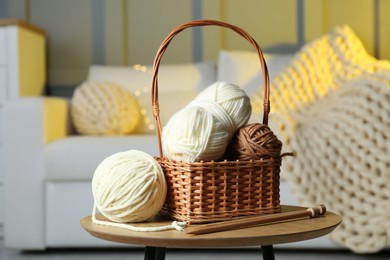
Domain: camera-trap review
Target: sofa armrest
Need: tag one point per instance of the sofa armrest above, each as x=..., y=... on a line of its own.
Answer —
x=29, y=123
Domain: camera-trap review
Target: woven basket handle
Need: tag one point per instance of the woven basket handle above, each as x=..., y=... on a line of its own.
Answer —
x=163, y=47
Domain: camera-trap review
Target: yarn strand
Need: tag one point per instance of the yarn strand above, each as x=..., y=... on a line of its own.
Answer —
x=175, y=225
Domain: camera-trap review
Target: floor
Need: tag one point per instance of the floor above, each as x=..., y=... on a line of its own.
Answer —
x=172, y=254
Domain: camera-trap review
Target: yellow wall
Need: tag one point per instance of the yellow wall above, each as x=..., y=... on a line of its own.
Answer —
x=384, y=29
x=270, y=22
x=134, y=29
x=276, y=22
x=358, y=14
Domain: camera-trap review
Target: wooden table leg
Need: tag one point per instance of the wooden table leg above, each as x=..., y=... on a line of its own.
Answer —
x=268, y=252
x=154, y=253
x=160, y=253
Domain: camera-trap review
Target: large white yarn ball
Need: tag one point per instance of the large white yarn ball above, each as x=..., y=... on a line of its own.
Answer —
x=129, y=186
x=104, y=108
x=203, y=129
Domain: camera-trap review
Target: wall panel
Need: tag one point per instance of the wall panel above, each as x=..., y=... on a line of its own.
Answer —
x=313, y=19
x=211, y=36
x=269, y=22
x=149, y=22
x=113, y=32
x=384, y=29
x=134, y=29
x=69, y=37
x=358, y=14
x=16, y=9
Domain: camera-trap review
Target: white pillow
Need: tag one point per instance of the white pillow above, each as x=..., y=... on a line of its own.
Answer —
x=184, y=77
x=169, y=102
x=177, y=77
x=243, y=68
x=126, y=77
x=178, y=85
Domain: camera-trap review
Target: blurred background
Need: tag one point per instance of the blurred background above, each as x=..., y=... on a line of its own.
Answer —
x=127, y=32
x=76, y=34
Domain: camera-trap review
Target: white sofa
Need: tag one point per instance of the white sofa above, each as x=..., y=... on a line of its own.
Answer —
x=48, y=167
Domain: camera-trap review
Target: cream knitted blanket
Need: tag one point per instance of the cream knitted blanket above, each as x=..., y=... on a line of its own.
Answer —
x=332, y=107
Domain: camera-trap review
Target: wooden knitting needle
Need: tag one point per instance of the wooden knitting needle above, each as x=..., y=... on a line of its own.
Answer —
x=258, y=220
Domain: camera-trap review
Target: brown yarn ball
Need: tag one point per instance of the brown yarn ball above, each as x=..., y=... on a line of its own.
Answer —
x=253, y=142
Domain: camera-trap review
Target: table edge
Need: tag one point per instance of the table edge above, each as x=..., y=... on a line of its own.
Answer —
x=176, y=242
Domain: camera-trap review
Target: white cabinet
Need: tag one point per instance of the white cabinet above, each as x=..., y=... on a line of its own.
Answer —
x=22, y=70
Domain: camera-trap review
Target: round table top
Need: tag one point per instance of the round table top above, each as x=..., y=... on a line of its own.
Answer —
x=270, y=234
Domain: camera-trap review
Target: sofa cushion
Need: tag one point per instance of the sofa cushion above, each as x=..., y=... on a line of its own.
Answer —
x=169, y=102
x=173, y=77
x=178, y=85
x=75, y=158
x=243, y=68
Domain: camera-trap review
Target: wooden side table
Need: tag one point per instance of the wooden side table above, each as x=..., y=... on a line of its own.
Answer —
x=265, y=236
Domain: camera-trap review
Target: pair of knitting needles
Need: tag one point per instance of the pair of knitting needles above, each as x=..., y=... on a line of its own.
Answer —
x=259, y=220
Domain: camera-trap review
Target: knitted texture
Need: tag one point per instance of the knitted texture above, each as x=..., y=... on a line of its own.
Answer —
x=253, y=142
x=202, y=130
x=319, y=67
x=332, y=106
x=104, y=108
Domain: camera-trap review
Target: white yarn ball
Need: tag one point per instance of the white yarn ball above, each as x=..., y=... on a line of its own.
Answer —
x=203, y=129
x=231, y=98
x=104, y=108
x=129, y=186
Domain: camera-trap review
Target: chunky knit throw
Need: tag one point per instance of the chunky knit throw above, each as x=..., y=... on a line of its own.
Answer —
x=332, y=108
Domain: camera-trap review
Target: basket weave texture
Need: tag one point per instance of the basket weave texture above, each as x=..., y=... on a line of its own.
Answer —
x=200, y=192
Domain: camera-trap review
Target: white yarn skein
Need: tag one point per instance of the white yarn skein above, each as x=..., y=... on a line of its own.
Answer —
x=129, y=187
x=191, y=134
x=203, y=129
x=231, y=98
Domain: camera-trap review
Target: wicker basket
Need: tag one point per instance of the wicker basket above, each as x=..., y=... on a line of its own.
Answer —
x=212, y=191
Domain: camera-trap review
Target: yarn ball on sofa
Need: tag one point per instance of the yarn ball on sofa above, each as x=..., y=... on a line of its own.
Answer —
x=253, y=142
x=202, y=130
x=104, y=108
x=129, y=186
